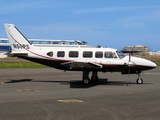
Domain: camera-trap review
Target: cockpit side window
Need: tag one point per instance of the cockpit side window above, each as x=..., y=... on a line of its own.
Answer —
x=110, y=55
x=114, y=55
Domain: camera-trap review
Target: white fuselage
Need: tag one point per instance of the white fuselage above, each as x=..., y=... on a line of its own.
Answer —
x=106, y=57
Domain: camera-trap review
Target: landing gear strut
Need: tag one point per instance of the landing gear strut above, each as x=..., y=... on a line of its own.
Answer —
x=139, y=80
x=94, y=76
x=85, y=77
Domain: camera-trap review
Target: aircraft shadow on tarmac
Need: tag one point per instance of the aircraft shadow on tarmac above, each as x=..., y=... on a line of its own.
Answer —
x=79, y=84
x=18, y=81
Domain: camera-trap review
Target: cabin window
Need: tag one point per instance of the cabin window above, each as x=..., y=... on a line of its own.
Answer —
x=87, y=54
x=60, y=54
x=73, y=53
x=99, y=54
x=110, y=55
x=50, y=54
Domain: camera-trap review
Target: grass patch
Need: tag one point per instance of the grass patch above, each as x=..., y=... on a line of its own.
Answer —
x=155, y=59
x=21, y=65
x=158, y=63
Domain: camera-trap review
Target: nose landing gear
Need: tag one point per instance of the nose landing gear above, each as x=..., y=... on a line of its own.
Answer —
x=139, y=80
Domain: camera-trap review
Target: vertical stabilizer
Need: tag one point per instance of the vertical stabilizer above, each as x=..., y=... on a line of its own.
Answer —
x=17, y=40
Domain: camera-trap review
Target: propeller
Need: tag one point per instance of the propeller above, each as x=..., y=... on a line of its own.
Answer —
x=130, y=64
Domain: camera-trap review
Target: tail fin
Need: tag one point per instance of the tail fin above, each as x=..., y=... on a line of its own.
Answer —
x=18, y=41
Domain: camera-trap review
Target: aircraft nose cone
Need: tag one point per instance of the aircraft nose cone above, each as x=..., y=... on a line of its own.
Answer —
x=147, y=63
x=153, y=64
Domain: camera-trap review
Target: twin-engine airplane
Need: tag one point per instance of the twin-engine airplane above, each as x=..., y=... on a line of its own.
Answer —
x=77, y=57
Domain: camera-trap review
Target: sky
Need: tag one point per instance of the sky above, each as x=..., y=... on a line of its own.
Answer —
x=108, y=23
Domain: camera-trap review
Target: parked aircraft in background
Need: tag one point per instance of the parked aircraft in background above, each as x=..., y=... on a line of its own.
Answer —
x=78, y=57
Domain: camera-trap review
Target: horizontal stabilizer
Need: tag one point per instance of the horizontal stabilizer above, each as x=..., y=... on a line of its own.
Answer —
x=19, y=54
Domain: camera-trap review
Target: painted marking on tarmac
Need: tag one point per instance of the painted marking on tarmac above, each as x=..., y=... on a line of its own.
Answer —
x=152, y=73
x=2, y=83
x=70, y=101
x=27, y=90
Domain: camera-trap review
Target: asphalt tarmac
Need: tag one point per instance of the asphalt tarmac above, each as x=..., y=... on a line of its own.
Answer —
x=50, y=94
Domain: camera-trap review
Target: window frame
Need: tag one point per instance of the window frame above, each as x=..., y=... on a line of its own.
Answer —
x=60, y=53
x=50, y=54
x=97, y=55
x=110, y=54
x=73, y=54
x=87, y=54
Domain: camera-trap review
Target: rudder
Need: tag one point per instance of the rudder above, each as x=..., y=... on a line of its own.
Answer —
x=17, y=40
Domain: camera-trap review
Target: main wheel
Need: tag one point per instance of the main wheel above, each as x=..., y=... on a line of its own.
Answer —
x=139, y=81
x=86, y=81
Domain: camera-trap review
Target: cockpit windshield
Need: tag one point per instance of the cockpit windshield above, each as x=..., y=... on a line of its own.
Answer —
x=120, y=54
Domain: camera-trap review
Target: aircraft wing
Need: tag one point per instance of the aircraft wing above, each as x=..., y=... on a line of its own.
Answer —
x=77, y=65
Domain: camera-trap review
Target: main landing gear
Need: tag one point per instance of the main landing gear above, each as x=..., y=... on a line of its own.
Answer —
x=139, y=80
x=85, y=78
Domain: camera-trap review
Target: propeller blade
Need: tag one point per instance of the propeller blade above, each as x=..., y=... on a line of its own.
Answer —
x=129, y=56
x=129, y=65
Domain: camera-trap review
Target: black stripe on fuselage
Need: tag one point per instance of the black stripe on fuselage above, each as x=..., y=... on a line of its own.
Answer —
x=108, y=68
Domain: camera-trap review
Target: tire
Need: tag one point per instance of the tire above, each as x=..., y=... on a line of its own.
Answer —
x=86, y=81
x=139, y=81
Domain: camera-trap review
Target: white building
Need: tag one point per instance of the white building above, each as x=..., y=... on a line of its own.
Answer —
x=136, y=48
x=5, y=45
x=154, y=53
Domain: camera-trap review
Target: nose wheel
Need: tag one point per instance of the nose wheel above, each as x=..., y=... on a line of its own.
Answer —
x=139, y=80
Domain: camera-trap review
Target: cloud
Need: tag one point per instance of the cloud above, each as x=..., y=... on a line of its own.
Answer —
x=88, y=33
x=18, y=7
x=139, y=21
x=113, y=9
